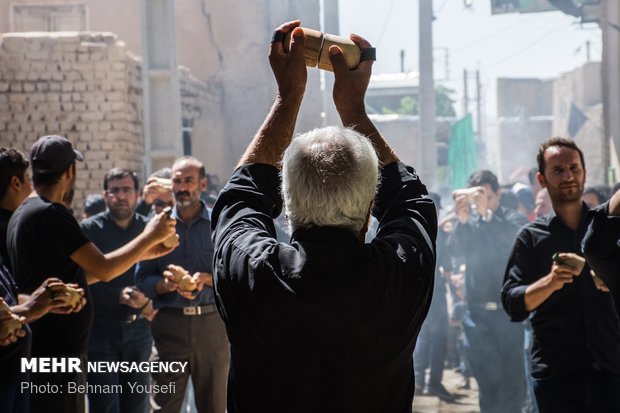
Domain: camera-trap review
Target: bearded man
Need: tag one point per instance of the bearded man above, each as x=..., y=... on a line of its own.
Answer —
x=576, y=351
x=120, y=329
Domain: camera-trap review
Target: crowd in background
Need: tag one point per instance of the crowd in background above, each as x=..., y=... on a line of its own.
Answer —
x=448, y=339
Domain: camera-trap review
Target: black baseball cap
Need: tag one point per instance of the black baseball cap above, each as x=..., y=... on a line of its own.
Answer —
x=53, y=153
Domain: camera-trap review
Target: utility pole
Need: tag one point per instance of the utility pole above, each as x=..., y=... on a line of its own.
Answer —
x=478, y=106
x=427, y=95
x=402, y=60
x=465, y=94
x=162, y=97
x=329, y=24
x=610, y=21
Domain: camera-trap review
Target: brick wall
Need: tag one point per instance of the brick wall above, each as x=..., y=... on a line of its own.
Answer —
x=86, y=87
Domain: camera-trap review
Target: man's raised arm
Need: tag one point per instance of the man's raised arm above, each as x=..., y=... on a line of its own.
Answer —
x=289, y=69
x=349, y=92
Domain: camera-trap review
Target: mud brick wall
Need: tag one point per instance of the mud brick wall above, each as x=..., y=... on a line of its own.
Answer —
x=86, y=87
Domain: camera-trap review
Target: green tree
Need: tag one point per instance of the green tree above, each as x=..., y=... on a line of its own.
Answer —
x=444, y=104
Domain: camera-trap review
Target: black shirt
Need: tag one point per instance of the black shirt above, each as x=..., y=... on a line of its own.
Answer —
x=108, y=236
x=601, y=247
x=576, y=328
x=41, y=237
x=485, y=246
x=5, y=216
x=10, y=356
x=324, y=323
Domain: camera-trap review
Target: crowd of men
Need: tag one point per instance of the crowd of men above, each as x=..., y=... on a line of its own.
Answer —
x=503, y=240
x=329, y=319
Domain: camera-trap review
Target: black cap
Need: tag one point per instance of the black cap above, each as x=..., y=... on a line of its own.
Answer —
x=53, y=153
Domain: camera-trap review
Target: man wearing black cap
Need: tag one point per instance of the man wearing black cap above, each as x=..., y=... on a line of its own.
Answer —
x=44, y=240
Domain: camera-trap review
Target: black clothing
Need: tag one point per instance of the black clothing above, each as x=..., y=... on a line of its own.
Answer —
x=578, y=392
x=324, y=323
x=143, y=208
x=5, y=216
x=432, y=345
x=576, y=328
x=486, y=246
x=10, y=356
x=41, y=237
x=494, y=346
x=118, y=333
x=601, y=247
x=108, y=237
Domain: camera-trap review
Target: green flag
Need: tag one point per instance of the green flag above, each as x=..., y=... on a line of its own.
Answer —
x=462, y=157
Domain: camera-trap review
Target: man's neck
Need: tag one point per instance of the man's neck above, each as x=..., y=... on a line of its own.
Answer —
x=8, y=203
x=189, y=213
x=53, y=193
x=570, y=213
x=122, y=223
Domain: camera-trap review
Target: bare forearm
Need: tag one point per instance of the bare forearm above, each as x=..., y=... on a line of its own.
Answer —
x=537, y=293
x=24, y=309
x=275, y=133
x=360, y=122
x=109, y=266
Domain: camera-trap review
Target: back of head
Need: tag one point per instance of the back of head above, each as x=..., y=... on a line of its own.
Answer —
x=94, y=204
x=50, y=157
x=329, y=178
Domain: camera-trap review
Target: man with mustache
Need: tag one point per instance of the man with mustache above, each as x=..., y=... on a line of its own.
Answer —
x=576, y=351
x=120, y=329
x=187, y=326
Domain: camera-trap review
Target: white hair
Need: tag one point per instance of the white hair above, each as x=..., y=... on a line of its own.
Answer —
x=329, y=178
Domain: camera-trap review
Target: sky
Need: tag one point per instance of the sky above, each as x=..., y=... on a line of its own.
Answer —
x=541, y=45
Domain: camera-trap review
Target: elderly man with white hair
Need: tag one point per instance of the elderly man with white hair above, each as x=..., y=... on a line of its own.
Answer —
x=324, y=323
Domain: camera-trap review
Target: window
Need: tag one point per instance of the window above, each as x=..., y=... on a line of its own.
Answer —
x=49, y=18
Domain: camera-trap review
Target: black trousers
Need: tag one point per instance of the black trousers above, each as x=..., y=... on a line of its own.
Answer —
x=113, y=340
x=200, y=340
x=494, y=350
x=579, y=392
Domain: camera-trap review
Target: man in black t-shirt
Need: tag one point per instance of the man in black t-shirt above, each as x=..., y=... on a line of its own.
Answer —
x=44, y=240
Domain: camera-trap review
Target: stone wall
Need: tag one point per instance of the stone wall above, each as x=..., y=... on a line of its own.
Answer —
x=87, y=87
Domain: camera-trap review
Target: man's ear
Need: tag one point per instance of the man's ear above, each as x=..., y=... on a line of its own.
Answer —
x=203, y=184
x=541, y=180
x=16, y=183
